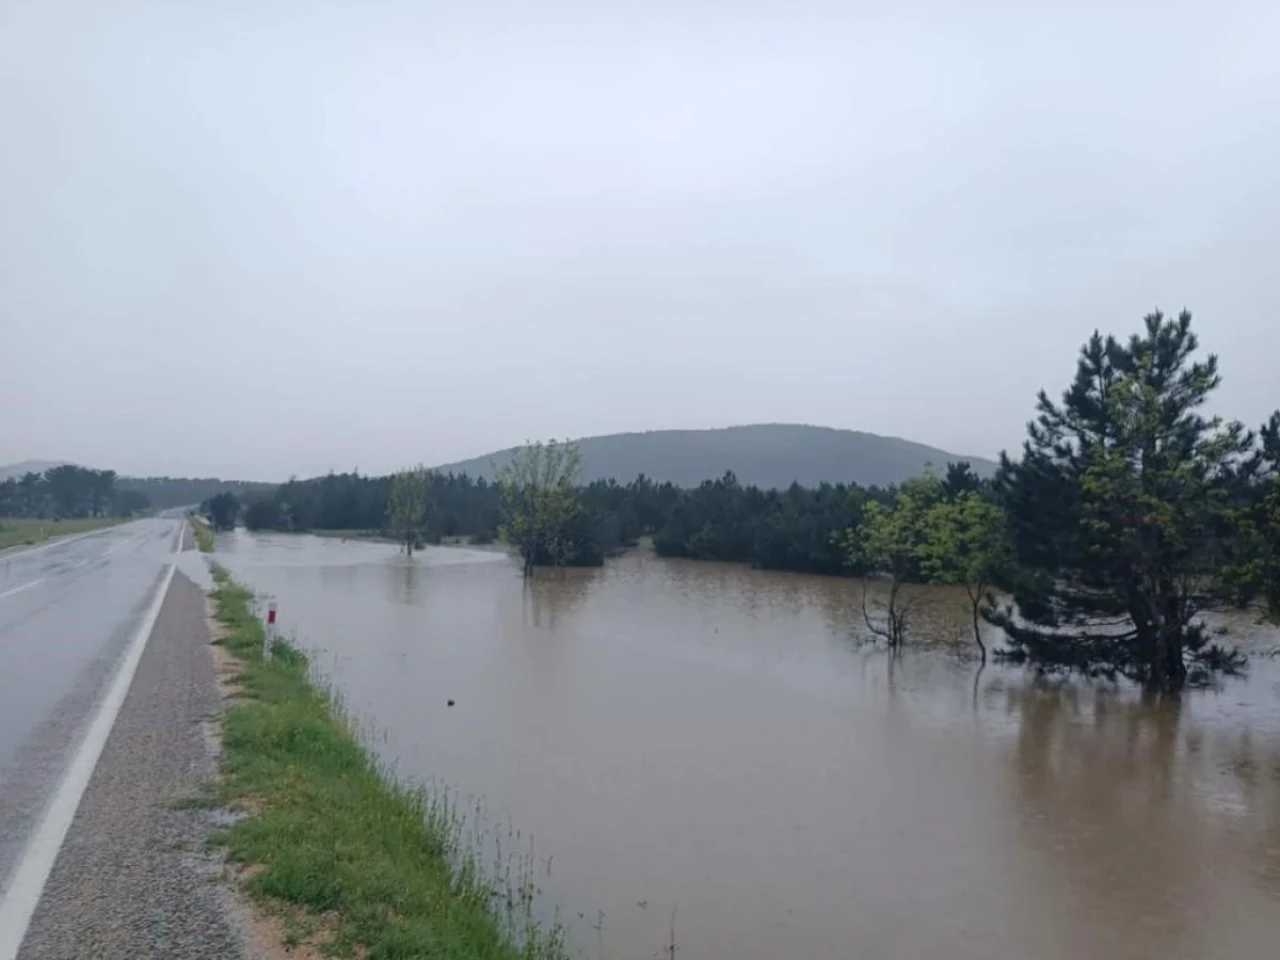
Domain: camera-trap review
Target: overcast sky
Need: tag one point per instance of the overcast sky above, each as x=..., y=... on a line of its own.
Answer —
x=261, y=237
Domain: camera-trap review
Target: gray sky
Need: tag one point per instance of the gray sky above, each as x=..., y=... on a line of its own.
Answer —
x=262, y=237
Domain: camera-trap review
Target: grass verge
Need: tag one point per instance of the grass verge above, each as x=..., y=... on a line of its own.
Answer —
x=28, y=531
x=202, y=533
x=379, y=866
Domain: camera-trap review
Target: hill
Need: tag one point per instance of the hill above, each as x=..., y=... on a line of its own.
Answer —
x=767, y=455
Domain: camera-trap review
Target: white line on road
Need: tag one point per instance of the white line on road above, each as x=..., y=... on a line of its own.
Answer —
x=26, y=883
x=26, y=586
x=10, y=552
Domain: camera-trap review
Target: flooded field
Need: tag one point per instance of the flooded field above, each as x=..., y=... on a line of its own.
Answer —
x=717, y=742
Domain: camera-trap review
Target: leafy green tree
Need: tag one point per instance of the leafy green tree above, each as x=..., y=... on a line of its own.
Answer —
x=890, y=542
x=1121, y=512
x=966, y=544
x=539, y=502
x=408, y=501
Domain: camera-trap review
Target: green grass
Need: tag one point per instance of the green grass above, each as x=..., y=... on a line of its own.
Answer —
x=379, y=865
x=18, y=531
x=202, y=533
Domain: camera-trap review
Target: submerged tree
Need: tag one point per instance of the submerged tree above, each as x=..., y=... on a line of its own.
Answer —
x=1121, y=512
x=539, y=504
x=966, y=544
x=408, y=501
x=889, y=542
x=222, y=510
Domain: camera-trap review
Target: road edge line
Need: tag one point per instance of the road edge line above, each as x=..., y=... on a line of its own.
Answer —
x=26, y=586
x=26, y=550
x=26, y=882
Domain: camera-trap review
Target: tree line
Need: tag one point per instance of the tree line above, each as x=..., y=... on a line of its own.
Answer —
x=1129, y=514
x=69, y=491
x=166, y=492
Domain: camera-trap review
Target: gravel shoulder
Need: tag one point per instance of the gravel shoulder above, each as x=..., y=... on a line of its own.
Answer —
x=133, y=878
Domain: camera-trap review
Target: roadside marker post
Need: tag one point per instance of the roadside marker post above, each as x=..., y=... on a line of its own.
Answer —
x=269, y=633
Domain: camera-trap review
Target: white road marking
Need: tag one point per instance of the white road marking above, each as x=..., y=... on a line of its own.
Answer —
x=26, y=883
x=25, y=586
x=10, y=552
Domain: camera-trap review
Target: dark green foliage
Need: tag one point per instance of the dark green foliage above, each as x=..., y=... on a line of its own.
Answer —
x=795, y=529
x=1253, y=568
x=1123, y=513
x=223, y=509
x=1266, y=511
x=960, y=479
x=460, y=506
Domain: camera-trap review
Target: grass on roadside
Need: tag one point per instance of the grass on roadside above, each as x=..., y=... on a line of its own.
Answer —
x=380, y=866
x=202, y=533
x=19, y=531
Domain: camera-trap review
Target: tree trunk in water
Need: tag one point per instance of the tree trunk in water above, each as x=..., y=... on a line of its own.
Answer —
x=1166, y=669
x=1175, y=668
x=977, y=633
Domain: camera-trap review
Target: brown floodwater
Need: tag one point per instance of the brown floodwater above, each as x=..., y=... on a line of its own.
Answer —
x=719, y=742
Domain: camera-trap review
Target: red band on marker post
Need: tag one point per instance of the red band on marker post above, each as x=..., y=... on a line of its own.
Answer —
x=269, y=634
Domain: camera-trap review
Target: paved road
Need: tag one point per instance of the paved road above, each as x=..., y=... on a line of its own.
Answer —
x=68, y=612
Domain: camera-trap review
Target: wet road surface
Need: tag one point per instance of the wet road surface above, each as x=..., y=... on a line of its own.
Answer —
x=716, y=741
x=67, y=612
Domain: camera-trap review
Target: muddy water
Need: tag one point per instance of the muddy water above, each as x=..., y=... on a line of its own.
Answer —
x=716, y=741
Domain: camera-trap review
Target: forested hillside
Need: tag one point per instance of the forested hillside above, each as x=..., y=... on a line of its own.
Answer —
x=769, y=456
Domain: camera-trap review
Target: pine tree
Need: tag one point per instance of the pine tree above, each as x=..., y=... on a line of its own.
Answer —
x=1121, y=512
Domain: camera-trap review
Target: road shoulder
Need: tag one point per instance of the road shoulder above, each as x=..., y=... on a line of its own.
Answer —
x=133, y=878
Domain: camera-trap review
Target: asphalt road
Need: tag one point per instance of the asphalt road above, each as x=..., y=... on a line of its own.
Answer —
x=68, y=612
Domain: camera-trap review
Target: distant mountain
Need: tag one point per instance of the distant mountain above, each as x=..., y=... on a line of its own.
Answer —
x=28, y=466
x=767, y=455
